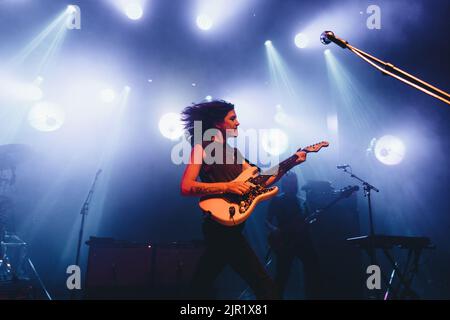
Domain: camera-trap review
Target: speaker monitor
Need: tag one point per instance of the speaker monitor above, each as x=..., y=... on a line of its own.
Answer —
x=128, y=270
x=116, y=269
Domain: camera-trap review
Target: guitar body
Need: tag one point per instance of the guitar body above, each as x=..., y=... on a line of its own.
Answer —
x=233, y=209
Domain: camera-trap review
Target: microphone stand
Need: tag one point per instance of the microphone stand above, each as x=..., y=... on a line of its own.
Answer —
x=367, y=189
x=84, y=211
x=389, y=69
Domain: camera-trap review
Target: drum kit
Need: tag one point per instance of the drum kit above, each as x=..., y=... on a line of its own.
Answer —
x=18, y=276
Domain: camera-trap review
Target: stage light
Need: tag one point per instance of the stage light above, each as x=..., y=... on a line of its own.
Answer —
x=107, y=95
x=46, y=117
x=204, y=22
x=38, y=81
x=170, y=126
x=389, y=150
x=218, y=14
x=208, y=98
x=268, y=43
x=280, y=116
x=46, y=44
x=71, y=9
x=301, y=40
x=326, y=52
x=274, y=141
x=280, y=78
x=134, y=11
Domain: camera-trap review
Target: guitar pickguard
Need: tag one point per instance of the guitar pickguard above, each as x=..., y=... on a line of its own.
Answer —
x=233, y=209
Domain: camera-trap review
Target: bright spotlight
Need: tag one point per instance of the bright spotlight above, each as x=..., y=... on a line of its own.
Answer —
x=301, y=40
x=280, y=116
x=326, y=52
x=208, y=98
x=107, y=95
x=204, y=22
x=274, y=141
x=71, y=9
x=38, y=81
x=134, y=11
x=268, y=43
x=170, y=126
x=389, y=150
x=46, y=116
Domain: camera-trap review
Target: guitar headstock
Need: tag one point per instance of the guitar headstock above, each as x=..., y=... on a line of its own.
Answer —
x=315, y=147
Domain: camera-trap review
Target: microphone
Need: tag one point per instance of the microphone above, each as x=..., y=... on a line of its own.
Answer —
x=328, y=36
x=343, y=166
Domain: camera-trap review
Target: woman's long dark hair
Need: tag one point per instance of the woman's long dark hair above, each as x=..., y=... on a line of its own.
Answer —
x=209, y=113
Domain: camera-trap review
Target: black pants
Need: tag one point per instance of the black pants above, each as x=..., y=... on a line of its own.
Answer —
x=302, y=249
x=227, y=245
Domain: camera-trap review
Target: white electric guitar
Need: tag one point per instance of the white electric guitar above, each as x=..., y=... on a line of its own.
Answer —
x=233, y=209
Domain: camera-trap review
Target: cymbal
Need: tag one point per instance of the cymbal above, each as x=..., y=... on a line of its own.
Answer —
x=13, y=154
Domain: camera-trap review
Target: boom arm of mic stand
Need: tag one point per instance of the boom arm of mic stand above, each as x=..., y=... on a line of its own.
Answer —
x=388, y=67
x=365, y=183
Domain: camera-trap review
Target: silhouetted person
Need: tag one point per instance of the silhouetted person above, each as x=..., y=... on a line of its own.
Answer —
x=290, y=238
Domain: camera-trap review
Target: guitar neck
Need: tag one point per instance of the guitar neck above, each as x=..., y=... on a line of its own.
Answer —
x=282, y=168
x=287, y=164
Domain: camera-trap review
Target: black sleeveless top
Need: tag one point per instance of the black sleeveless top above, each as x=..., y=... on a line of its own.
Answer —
x=222, y=163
